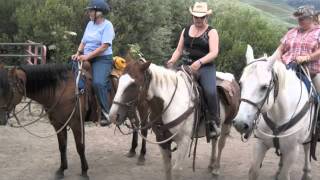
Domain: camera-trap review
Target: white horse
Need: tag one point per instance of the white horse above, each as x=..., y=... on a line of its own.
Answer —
x=169, y=95
x=277, y=106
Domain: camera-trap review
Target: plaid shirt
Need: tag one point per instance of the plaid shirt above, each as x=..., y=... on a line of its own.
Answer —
x=295, y=43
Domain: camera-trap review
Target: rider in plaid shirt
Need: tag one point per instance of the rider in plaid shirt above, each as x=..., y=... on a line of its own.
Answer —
x=302, y=44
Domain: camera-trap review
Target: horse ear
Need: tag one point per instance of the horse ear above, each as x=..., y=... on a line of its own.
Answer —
x=275, y=57
x=249, y=54
x=145, y=66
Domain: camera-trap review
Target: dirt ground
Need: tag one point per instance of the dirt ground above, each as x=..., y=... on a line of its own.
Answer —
x=25, y=157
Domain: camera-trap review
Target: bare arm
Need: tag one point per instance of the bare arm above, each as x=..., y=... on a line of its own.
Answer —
x=79, y=51
x=178, y=52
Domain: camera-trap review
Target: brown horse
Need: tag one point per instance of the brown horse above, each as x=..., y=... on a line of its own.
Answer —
x=142, y=109
x=53, y=86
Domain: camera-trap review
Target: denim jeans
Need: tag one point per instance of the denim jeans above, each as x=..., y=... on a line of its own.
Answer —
x=207, y=80
x=101, y=69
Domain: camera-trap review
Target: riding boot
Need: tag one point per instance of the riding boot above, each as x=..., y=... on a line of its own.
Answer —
x=212, y=126
x=105, y=120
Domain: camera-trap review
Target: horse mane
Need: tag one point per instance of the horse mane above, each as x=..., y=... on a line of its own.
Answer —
x=162, y=75
x=280, y=69
x=4, y=82
x=44, y=77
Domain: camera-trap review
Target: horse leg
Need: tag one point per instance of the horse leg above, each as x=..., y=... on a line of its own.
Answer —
x=77, y=133
x=62, y=139
x=213, y=158
x=134, y=145
x=221, y=143
x=166, y=156
x=183, y=144
x=259, y=153
x=307, y=164
x=141, y=159
x=289, y=158
x=280, y=165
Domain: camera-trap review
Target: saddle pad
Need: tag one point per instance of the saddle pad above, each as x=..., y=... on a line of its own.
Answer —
x=225, y=76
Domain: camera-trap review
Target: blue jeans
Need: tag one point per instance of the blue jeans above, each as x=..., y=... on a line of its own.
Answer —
x=101, y=69
x=207, y=80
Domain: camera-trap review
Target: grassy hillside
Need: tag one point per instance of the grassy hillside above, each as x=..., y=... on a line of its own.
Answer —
x=275, y=8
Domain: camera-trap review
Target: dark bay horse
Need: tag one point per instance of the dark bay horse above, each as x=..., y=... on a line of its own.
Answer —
x=53, y=86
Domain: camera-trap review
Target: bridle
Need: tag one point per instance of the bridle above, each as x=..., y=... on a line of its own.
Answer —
x=132, y=105
x=16, y=91
x=273, y=85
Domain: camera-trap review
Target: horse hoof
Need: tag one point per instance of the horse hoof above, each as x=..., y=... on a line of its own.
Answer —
x=59, y=175
x=210, y=168
x=131, y=154
x=306, y=177
x=84, y=176
x=141, y=161
x=215, y=172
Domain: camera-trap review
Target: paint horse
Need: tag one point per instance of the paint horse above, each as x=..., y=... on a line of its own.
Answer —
x=170, y=97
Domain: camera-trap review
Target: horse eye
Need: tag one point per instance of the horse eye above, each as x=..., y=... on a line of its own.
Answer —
x=264, y=88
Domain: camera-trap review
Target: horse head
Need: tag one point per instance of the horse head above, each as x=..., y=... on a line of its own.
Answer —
x=132, y=88
x=259, y=86
x=11, y=89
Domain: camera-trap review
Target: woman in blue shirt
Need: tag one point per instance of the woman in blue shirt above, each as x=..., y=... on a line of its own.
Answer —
x=96, y=47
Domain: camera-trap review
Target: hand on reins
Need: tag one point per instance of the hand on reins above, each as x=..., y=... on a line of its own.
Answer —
x=302, y=59
x=75, y=57
x=169, y=64
x=195, y=66
x=83, y=58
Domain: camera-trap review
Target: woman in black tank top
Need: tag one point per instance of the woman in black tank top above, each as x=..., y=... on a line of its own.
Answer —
x=199, y=46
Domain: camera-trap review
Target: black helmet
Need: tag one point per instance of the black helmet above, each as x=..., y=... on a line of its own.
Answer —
x=98, y=5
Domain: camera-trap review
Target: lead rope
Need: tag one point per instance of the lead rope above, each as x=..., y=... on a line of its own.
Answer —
x=80, y=63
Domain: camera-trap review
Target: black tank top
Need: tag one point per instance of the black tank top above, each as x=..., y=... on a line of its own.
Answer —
x=196, y=47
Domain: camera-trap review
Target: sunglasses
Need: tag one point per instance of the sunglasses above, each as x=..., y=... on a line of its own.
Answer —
x=203, y=17
x=303, y=18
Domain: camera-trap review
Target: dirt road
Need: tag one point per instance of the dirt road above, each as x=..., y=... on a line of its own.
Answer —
x=24, y=157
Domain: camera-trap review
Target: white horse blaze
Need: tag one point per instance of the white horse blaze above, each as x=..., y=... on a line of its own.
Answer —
x=124, y=82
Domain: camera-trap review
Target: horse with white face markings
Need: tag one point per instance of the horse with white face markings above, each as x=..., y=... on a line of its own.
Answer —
x=169, y=95
x=277, y=107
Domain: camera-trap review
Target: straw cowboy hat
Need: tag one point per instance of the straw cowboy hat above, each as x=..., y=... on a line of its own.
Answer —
x=200, y=9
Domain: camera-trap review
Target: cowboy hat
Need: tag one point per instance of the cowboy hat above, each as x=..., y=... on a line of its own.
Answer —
x=200, y=9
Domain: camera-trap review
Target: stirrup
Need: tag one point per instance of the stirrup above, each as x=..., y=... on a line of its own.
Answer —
x=105, y=120
x=216, y=131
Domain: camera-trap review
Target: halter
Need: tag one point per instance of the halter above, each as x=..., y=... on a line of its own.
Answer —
x=273, y=85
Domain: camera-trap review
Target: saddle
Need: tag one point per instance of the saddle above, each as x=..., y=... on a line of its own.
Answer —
x=228, y=92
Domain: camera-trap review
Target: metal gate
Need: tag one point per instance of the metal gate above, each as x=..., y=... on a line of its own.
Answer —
x=34, y=53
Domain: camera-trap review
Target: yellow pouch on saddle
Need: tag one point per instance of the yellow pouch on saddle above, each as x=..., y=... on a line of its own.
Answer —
x=119, y=64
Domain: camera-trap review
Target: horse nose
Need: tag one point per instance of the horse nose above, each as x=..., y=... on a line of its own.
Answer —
x=241, y=126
